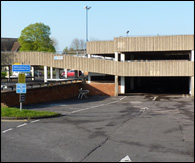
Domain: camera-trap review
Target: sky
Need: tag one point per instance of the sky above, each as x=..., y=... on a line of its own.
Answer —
x=106, y=19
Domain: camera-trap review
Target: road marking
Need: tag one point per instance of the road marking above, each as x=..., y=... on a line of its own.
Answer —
x=123, y=98
x=78, y=110
x=155, y=98
x=135, y=102
x=125, y=159
x=96, y=106
x=7, y=130
x=24, y=124
x=34, y=121
x=143, y=109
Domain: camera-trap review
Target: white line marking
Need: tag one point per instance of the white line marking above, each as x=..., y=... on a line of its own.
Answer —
x=95, y=106
x=123, y=98
x=135, y=102
x=78, y=110
x=34, y=121
x=24, y=124
x=125, y=159
x=63, y=105
x=154, y=98
x=143, y=109
x=7, y=130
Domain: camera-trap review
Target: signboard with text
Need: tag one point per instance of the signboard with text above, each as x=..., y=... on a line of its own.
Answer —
x=21, y=78
x=21, y=68
x=58, y=57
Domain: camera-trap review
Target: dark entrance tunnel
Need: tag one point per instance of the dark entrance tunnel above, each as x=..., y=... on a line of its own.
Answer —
x=157, y=85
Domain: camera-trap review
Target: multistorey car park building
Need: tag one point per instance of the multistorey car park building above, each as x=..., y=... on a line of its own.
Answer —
x=154, y=64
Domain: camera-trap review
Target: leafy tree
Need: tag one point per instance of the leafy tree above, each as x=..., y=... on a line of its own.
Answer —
x=35, y=37
x=65, y=50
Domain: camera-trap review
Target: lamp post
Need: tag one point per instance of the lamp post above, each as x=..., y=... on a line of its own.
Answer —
x=127, y=33
x=87, y=8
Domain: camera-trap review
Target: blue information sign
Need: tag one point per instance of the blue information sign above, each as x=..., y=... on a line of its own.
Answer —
x=20, y=87
x=21, y=68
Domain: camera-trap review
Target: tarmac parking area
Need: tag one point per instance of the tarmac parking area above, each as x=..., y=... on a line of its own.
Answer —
x=145, y=128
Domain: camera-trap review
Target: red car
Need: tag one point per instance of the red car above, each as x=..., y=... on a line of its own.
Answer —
x=71, y=73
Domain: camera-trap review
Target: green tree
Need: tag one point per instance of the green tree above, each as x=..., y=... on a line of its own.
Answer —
x=35, y=37
x=65, y=50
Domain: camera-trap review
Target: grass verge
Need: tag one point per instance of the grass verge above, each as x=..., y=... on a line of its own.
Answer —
x=24, y=113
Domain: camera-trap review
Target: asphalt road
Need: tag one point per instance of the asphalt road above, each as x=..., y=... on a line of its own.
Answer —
x=149, y=128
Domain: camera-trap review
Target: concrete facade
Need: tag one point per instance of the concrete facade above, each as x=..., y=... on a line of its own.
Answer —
x=134, y=59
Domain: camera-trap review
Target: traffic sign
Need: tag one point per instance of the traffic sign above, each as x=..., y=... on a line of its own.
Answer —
x=21, y=78
x=21, y=68
x=22, y=97
x=58, y=57
x=20, y=87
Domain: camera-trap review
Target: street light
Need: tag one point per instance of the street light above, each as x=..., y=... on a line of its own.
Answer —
x=87, y=8
x=127, y=33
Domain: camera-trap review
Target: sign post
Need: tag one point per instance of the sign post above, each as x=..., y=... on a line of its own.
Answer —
x=21, y=89
x=21, y=85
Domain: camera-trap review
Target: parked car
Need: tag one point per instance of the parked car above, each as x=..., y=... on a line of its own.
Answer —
x=70, y=73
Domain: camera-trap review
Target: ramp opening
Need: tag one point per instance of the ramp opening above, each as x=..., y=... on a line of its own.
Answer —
x=157, y=85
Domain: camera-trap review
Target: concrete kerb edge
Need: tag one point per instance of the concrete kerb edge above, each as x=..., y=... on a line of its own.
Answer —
x=22, y=118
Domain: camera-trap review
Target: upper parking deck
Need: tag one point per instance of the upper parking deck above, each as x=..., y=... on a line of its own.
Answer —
x=143, y=44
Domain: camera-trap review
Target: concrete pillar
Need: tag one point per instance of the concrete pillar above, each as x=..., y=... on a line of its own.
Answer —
x=122, y=77
x=32, y=73
x=192, y=55
x=116, y=56
x=122, y=85
x=65, y=70
x=89, y=76
x=45, y=74
x=51, y=72
x=57, y=73
x=122, y=57
x=116, y=85
x=191, y=85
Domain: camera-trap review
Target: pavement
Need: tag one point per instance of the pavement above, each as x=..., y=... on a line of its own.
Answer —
x=142, y=128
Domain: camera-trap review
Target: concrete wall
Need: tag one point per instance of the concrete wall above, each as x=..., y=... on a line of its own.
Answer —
x=153, y=68
x=134, y=44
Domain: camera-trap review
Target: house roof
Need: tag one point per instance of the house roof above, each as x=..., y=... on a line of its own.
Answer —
x=15, y=46
x=8, y=43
